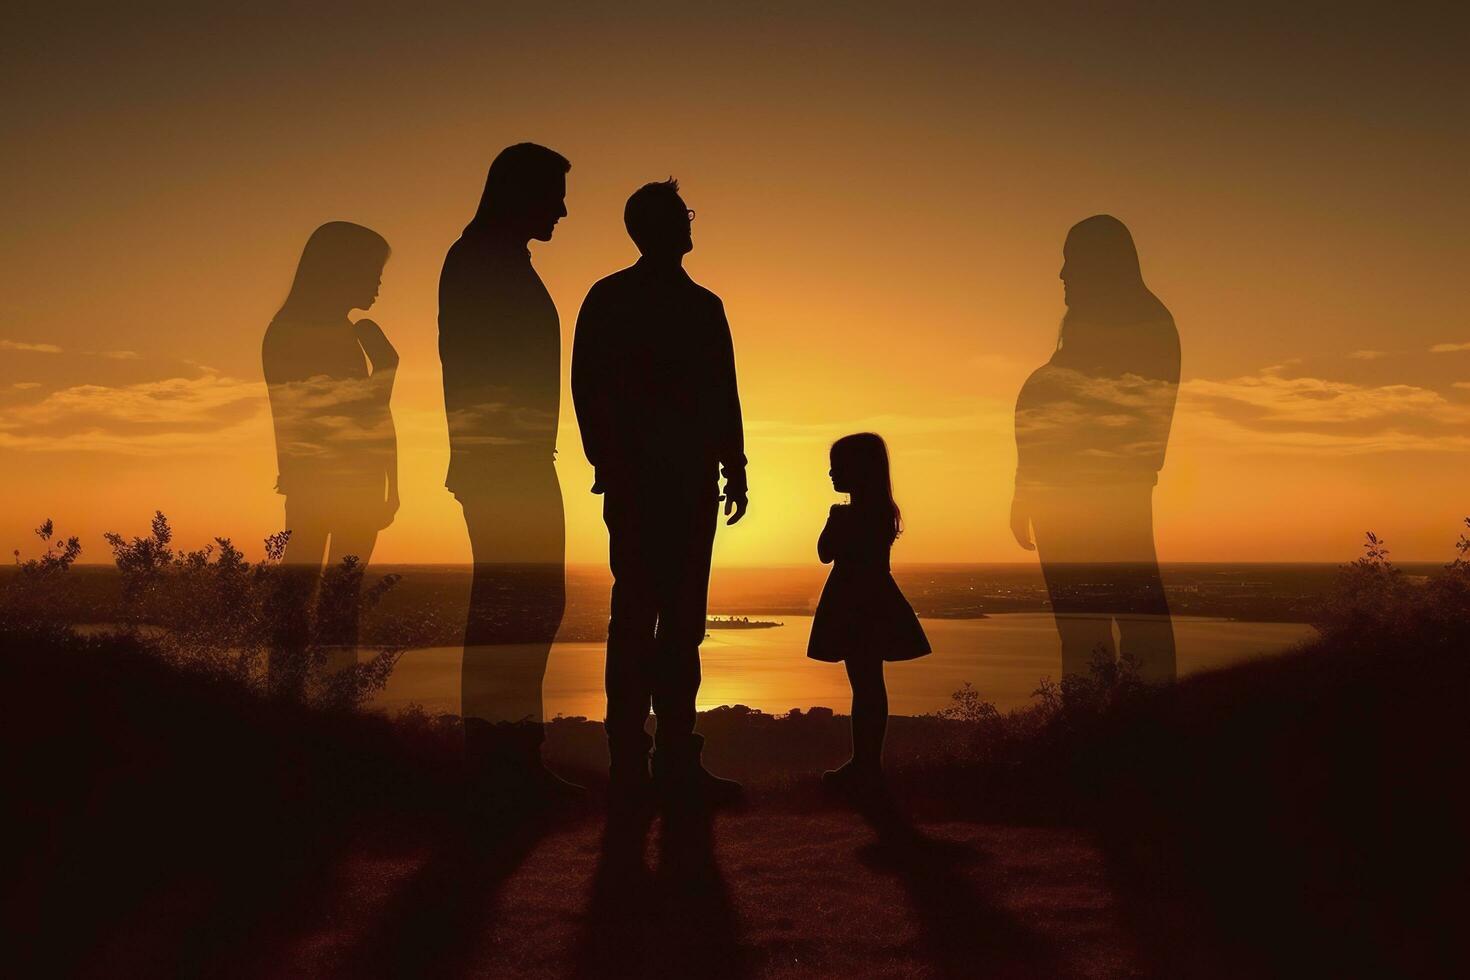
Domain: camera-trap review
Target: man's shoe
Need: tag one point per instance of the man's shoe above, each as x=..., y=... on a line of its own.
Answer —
x=507, y=776
x=851, y=777
x=680, y=778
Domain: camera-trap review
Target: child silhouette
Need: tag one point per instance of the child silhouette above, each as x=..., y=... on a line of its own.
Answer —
x=862, y=618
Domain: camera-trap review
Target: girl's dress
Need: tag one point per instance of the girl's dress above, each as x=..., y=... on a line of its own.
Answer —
x=862, y=613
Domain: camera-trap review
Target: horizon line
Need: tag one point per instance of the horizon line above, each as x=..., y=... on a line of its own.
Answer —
x=784, y=566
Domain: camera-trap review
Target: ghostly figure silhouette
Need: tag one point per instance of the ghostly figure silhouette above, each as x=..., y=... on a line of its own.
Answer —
x=500, y=344
x=330, y=380
x=1092, y=425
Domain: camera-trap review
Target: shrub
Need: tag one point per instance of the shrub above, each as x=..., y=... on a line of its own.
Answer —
x=290, y=631
x=29, y=599
x=287, y=630
x=1374, y=607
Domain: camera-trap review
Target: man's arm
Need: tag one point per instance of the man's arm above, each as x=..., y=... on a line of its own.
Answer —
x=591, y=391
x=472, y=318
x=458, y=302
x=730, y=429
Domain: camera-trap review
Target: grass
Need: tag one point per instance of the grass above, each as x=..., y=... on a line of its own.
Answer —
x=1301, y=814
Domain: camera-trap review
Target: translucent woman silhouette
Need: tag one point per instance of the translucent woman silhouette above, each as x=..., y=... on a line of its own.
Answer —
x=1092, y=425
x=330, y=380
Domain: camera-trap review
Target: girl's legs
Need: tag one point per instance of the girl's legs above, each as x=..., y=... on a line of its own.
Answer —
x=869, y=712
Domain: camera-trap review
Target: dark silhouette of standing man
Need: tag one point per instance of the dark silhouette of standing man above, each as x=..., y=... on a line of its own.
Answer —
x=500, y=343
x=653, y=381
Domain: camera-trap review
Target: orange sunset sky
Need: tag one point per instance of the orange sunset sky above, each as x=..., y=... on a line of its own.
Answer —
x=882, y=195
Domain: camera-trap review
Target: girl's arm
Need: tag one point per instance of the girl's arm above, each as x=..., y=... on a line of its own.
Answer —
x=390, y=467
x=380, y=355
x=827, y=542
x=384, y=360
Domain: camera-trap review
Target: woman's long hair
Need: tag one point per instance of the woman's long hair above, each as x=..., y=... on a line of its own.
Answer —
x=1100, y=254
x=338, y=256
x=865, y=456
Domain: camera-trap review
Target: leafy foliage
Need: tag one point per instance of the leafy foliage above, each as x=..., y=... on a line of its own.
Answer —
x=27, y=602
x=291, y=631
x=1376, y=607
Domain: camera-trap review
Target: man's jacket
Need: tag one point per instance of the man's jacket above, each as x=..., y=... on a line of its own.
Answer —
x=653, y=383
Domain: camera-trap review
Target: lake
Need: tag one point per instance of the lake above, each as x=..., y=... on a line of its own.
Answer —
x=1004, y=656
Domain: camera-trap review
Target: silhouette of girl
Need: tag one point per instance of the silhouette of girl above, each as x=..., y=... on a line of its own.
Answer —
x=862, y=618
x=1092, y=425
x=330, y=380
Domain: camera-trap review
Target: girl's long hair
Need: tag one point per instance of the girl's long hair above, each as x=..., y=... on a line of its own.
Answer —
x=337, y=253
x=866, y=456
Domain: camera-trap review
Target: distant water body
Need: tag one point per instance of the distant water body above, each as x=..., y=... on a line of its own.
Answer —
x=1004, y=656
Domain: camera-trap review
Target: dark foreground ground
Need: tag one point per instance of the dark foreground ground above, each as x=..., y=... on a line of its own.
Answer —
x=1300, y=816
x=769, y=892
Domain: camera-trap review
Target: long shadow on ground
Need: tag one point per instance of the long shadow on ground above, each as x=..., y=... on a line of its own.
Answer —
x=964, y=928
x=673, y=921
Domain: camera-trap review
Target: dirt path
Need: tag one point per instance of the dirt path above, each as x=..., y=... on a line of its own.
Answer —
x=765, y=892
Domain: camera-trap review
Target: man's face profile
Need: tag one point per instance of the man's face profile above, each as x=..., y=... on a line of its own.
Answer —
x=550, y=209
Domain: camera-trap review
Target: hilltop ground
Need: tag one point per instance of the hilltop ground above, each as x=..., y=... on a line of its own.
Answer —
x=1299, y=814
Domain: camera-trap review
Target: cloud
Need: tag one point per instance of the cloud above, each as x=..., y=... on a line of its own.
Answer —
x=1290, y=362
x=1464, y=385
x=25, y=385
x=1448, y=348
x=111, y=355
x=1367, y=355
x=19, y=345
x=1270, y=413
x=206, y=414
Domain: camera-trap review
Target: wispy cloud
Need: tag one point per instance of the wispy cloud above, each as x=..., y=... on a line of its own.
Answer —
x=1448, y=348
x=20, y=345
x=117, y=355
x=173, y=415
x=1272, y=369
x=26, y=385
x=1270, y=413
x=1368, y=355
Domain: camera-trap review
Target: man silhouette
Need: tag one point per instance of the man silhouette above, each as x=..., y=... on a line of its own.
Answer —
x=500, y=344
x=653, y=383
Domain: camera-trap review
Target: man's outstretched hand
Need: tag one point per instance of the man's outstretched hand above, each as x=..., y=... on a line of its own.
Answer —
x=736, y=502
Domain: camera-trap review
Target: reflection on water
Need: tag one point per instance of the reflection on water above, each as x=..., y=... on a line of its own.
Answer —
x=1003, y=656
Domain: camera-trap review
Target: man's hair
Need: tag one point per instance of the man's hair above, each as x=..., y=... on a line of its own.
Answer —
x=646, y=206
x=516, y=172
